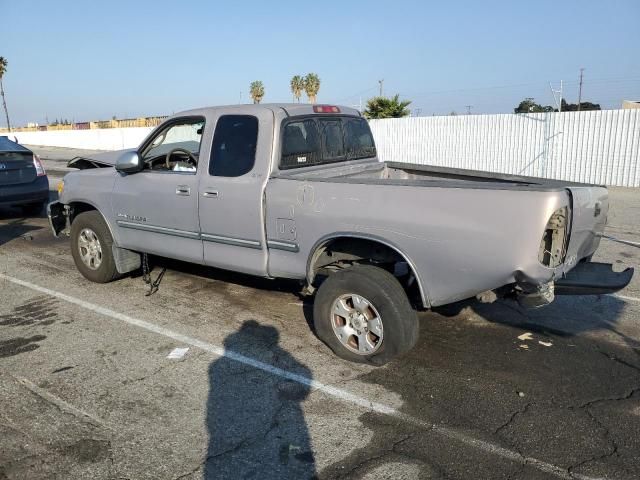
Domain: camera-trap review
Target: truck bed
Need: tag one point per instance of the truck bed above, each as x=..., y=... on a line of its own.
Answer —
x=408, y=174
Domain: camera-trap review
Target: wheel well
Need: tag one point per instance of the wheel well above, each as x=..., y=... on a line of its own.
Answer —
x=77, y=208
x=343, y=252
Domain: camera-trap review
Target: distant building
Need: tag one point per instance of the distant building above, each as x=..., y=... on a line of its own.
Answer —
x=630, y=104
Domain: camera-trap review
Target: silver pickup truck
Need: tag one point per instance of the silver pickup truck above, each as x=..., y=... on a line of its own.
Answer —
x=297, y=191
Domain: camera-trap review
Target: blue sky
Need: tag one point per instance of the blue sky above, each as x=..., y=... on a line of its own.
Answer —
x=91, y=60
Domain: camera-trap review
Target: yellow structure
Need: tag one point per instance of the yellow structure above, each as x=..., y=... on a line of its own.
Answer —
x=124, y=123
x=630, y=104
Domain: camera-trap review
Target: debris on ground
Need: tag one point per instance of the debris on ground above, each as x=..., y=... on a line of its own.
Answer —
x=178, y=353
x=545, y=344
x=526, y=336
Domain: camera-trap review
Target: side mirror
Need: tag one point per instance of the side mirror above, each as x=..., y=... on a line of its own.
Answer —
x=129, y=162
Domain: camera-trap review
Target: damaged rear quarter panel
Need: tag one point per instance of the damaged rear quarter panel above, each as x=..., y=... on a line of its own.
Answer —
x=461, y=240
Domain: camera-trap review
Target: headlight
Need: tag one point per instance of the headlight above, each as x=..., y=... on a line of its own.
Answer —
x=60, y=187
x=553, y=245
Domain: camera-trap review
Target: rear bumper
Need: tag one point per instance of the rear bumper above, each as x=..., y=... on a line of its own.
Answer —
x=22, y=194
x=591, y=278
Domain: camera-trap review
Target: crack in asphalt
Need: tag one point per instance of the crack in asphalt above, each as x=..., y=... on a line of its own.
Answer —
x=522, y=411
x=606, y=433
x=380, y=454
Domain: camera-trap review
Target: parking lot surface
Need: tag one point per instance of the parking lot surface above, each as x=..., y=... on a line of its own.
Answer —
x=89, y=388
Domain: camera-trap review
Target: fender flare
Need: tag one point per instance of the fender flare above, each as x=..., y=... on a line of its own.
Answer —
x=109, y=226
x=424, y=298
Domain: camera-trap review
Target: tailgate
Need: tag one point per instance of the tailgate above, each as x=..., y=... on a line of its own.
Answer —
x=589, y=217
x=16, y=168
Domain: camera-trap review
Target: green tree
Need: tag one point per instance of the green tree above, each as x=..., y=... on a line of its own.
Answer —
x=528, y=105
x=584, y=106
x=387, y=107
x=256, y=90
x=297, y=87
x=3, y=70
x=312, y=86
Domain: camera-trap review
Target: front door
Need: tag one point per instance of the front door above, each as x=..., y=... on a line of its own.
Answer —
x=156, y=209
x=231, y=193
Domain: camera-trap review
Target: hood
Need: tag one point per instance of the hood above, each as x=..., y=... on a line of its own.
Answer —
x=97, y=160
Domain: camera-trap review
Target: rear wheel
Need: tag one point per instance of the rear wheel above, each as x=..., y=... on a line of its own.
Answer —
x=91, y=244
x=363, y=314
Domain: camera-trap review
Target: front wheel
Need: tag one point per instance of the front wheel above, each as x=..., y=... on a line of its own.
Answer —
x=91, y=244
x=363, y=314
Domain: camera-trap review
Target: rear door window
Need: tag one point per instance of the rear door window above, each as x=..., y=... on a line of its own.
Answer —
x=234, y=146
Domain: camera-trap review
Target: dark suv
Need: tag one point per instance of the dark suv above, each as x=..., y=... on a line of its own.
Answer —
x=23, y=180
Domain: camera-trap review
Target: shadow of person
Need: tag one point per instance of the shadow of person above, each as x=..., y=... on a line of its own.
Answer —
x=254, y=418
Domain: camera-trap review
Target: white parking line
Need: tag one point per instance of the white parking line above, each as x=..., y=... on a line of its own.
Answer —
x=626, y=297
x=337, y=393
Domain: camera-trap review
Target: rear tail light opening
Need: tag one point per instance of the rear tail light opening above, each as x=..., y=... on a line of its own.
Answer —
x=38, y=164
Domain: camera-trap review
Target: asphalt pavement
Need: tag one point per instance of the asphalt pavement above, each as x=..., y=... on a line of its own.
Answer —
x=95, y=381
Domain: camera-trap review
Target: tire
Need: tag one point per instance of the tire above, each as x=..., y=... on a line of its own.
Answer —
x=378, y=294
x=87, y=229
x=33, y=208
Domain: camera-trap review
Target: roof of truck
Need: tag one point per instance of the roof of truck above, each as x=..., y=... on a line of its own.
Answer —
x=292, y=109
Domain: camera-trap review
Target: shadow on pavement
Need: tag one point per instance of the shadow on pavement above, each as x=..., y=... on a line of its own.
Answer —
x=16, y=228
x=254, y=419
x=567, y=316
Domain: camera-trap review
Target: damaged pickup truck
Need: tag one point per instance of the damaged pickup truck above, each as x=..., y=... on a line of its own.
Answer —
x=297, y=191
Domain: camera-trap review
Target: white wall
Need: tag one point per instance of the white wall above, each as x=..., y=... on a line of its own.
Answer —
x=600, y=147
x=97, y=139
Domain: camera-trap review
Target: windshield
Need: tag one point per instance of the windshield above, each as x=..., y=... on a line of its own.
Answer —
x=318, y=140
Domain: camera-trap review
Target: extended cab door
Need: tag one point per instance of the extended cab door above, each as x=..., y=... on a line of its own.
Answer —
x=156, y=209
x=231, y=193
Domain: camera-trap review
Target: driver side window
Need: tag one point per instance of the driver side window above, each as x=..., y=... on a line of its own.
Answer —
x=175, y=148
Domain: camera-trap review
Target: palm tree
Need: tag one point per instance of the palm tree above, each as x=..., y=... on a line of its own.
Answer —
x=311, y=86
x=3, y=70
x=385, y=107
x=256, y=90
x=297, y=86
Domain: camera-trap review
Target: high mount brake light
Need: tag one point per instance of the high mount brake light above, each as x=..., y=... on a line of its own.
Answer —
x=326, y=109
x=39, y=168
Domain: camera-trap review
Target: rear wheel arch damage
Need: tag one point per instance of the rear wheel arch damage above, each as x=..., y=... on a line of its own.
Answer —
x=125, y=260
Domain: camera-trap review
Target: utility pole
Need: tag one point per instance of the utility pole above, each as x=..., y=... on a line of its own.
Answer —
x=468, y=107
x=240, y=97
x=381, y=82
x=580, y=89
x=557, y=100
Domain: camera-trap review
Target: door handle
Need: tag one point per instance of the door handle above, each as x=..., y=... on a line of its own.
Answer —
x=211, y=194
x=183, y=190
